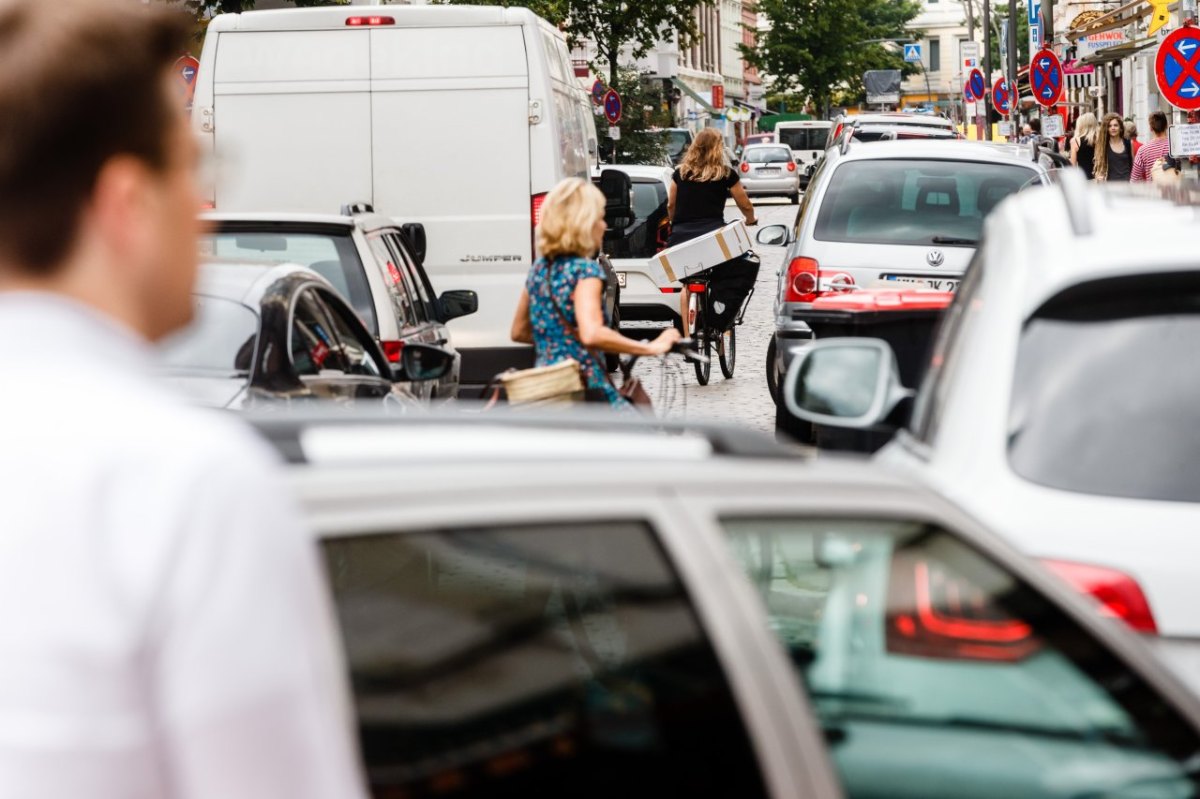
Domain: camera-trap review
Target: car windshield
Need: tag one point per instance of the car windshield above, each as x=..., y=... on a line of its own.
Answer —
x=331, y=255
x=914, y=201
x=220, y=339
x=804, y=138
x=1131, y=344
x=768, y=155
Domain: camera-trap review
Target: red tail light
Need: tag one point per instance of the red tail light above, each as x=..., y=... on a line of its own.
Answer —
x=1119, y=594
x=670, y=289
x=535, y=208
x=208, y=206
x=791, y=166
x=697, y=288
x=802, y=280
x=359, y=22
x=392, y=350
x=837, y=132
x=745, y=167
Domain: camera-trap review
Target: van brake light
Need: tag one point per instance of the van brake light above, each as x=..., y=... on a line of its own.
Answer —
x=392, y=350
x=360, y=22
x=1119, y=594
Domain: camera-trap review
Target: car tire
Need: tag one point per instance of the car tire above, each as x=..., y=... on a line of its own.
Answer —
x=772, y=380
x=795, y=198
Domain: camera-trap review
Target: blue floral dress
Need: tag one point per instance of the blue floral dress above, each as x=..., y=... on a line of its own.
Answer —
x=551, y=288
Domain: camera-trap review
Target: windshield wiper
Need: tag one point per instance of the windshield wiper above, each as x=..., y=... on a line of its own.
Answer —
x=953, y=240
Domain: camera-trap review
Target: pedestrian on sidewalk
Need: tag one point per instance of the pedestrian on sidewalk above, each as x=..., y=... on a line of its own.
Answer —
x=1153, y=152
x=163, y=627
x=1131, y=133
x=1114, y=154
x=1083, y=144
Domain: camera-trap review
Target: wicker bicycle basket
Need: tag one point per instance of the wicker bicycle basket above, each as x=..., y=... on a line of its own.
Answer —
x=560, y=382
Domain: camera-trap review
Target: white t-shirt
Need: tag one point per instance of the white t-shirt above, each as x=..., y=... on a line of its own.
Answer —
x=163, y=627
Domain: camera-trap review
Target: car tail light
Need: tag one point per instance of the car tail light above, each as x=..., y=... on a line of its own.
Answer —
x=837, y=132
x=934, y=612
x=802, y=280
x=791, y=166
x=745, y=167
x=697, y=288
x=359, y=22
x=394, y=274
x=837, y=282
x=392, y=350
x=1119, y=594
x=670, y=289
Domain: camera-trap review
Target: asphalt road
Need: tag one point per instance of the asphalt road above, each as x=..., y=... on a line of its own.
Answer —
x=742, y=399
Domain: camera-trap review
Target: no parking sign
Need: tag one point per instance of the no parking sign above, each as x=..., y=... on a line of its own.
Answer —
x=1046, y=77
x=1176, y=69
x=1002, y=96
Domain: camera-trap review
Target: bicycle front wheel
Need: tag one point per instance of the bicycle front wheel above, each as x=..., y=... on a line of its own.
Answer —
x=727, y=349
x=700, y=336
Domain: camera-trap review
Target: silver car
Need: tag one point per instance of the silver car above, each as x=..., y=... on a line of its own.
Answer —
x=593, y=609
x=899, y=214
x=767, y=170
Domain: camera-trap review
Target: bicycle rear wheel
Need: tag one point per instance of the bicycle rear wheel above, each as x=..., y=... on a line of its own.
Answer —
x=699, y=334
x=727, y=350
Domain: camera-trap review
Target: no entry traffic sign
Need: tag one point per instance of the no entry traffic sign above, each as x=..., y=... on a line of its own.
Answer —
x=612, y=106
x=598, y=92
x=977, y=83
x=1046, y=77
x=1176, y=69
x=1002, y=96
x=186, y=68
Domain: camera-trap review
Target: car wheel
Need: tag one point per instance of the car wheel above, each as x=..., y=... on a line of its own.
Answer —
x=796, y=198
x=789, y=429
x=772, y=379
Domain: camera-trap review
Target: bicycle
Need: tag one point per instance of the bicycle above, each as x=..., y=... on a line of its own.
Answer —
x=667, y=393
x=698, y=327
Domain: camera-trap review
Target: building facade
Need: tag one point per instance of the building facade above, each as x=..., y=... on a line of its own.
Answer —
x=942, y=31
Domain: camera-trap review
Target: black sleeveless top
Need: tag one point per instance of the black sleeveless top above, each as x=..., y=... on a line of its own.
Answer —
x=1120, y=165
x=1086, y=157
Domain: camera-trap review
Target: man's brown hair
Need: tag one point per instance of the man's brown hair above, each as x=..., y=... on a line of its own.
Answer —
x=81, y=81
x=1158, y=122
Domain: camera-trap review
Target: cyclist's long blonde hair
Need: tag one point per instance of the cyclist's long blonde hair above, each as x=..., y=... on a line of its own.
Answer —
x=569, y=215
x=705, y=159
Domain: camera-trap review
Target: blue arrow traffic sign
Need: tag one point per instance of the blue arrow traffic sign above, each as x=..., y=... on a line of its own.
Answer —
x=1002, y=96
x=1046, y=77
x=612, y=107
x=912, y=53
x=1177, y=68
x=977, y=83
x=1033, y=8
x=598, y=92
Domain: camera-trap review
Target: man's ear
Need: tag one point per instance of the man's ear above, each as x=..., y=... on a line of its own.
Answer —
x=118, y=212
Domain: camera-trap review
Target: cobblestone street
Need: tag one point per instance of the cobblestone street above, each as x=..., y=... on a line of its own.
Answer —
x=743, y=399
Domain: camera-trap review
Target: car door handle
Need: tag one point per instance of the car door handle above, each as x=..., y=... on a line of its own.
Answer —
x=442, y=341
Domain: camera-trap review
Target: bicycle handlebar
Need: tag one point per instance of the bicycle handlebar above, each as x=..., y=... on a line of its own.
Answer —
x=684, y=347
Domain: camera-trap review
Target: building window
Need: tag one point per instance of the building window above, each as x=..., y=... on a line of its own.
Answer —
x=935, y=54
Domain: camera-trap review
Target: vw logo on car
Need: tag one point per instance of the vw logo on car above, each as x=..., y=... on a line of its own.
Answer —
x=935, y=257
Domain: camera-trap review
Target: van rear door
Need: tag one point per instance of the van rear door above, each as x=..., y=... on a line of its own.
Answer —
x=450, y=123
x=292, y=120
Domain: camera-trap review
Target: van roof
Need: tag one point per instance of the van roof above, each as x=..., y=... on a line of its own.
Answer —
x=334, y=17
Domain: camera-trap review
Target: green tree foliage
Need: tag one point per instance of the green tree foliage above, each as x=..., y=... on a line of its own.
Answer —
x=643, y=110
x=817, y=47
x=613, y=24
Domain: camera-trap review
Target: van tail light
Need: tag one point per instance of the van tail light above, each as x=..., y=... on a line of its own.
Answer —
x=802, y=280
x=362, y=22
x=1119, y=594
x=535, y=218
x=791, y=166
x=934, y=612
x=745, y=167
x=208, y=206
x=392, y=350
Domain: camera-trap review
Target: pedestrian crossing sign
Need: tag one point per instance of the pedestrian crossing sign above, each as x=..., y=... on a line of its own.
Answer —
x=912, y=53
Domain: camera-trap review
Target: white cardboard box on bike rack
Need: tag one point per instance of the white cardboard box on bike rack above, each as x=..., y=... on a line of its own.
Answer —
x=703, y=252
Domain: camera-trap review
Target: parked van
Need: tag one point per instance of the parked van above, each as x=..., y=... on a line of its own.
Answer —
x=459, y=118
x=806, y=139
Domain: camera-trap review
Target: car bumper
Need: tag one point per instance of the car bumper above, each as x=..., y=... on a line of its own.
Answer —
x=788, y=185
x=642, y=299
x=790, y=340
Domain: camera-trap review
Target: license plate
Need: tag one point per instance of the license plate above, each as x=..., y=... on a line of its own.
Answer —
x=768, y=173
x=621, y=279
x=937, y=284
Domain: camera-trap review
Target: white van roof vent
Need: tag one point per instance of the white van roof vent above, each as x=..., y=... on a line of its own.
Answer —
x=350, y=209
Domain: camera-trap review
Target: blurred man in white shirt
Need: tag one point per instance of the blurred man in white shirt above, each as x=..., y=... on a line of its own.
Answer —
x=163, y=629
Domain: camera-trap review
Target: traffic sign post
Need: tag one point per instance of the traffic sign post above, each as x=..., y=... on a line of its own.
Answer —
x=912, y=53
x=1046, y=78
x=1002, y=96
x=612, y=106
x=1177, y=68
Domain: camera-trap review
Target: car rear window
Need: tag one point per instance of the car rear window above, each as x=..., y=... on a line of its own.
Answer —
x=804, y=138
x=914, y=201
x=768, y=155
x=220, y=339
x=331, y=255
x=1105, y=391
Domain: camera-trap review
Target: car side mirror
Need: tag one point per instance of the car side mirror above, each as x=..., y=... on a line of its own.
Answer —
x=420, y=362
x=844, y=382
x=459, y=302
x=774, y=236
x=414, y=235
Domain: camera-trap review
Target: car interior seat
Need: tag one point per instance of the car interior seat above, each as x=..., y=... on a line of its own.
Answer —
x=991, y=192
x=937, y=195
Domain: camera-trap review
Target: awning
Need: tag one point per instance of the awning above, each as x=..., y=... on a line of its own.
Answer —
x=688, y=90
x=1118, y=53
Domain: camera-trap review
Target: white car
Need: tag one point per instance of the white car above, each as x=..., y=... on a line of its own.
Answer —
x=892, y=119
x=618, y=612
x=1062, y=402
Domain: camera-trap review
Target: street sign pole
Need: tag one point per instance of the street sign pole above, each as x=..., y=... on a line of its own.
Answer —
x=987, y=59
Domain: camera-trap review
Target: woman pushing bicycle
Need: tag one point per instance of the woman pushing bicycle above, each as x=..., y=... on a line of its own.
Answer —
x=561, y=310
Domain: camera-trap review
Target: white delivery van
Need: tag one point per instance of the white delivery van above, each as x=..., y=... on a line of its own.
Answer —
x=807, y=139
x=460, y=118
